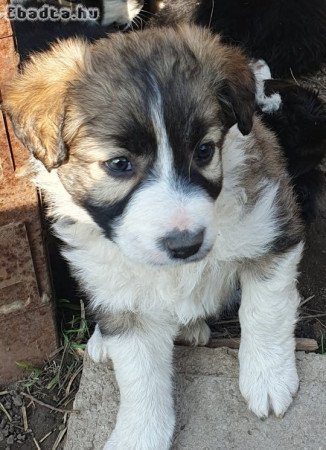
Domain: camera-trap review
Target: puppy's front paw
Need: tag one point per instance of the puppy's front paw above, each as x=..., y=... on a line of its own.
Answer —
x=96, y=347
x=143, y=438
x=268, y=389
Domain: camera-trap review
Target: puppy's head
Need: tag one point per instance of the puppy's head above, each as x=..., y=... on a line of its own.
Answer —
x=134, y=127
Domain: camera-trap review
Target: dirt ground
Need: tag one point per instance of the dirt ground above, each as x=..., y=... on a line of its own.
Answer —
x=41, y=421
x=35, y=411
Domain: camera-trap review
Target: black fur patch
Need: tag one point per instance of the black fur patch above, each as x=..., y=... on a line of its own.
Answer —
x=118, y=324
x=105, y=214
x=300, y=126
x=288, y=34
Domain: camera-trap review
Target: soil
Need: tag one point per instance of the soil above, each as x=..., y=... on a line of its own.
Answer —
x=44, y=425
x=40, y=422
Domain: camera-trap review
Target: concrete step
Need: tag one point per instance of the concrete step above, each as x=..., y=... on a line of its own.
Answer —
x=211, y=413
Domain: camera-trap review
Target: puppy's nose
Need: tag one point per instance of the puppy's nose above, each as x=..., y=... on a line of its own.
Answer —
x=182, y=244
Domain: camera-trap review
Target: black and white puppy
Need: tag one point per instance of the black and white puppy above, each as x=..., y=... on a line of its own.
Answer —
x=288, y=34
x=167, y=190
x=297, y=115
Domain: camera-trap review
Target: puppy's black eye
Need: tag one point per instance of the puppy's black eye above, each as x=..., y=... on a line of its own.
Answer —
x=204, y=153
x=119, y=166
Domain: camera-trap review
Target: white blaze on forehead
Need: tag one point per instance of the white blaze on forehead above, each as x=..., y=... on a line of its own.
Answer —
x=164, y=162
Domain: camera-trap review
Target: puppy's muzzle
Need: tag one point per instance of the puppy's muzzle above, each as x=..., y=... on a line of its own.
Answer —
x=183, y=244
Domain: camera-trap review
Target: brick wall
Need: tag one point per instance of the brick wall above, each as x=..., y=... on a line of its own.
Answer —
x=27, y=323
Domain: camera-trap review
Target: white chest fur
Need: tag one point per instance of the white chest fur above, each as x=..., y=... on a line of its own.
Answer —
x=116, y=283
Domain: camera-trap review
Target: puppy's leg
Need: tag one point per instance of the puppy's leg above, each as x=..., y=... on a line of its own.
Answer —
x=195, y=333
x=141, y=350
x=268, y=313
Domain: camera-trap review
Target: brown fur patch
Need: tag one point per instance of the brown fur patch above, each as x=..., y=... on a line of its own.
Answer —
x=35, y=100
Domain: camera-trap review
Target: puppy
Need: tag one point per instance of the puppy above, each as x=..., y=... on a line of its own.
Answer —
x=288, y=34
x=297, y=115
x=168, y=191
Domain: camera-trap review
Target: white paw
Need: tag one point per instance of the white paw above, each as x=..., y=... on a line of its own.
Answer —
x=97, y=347
x=143, y=437
x=268, y=388
x=195, y=333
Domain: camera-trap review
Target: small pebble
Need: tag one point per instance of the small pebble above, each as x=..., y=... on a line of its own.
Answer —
x=3, y=423
x=17, y=401
x=1, y=436
x=10, y=440
x=7, y=404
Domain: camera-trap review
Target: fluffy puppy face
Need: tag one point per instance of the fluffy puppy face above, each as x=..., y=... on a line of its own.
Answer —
x=135, y=125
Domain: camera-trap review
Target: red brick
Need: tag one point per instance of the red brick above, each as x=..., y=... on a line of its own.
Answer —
x=25, y=337
x=27, y=320
x=5, y=27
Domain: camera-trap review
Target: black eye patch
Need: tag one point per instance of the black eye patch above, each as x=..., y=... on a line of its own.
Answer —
x=213, y=188
x=106, y=214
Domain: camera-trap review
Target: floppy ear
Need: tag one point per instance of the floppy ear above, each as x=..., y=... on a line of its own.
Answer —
x=234, y=82
x=35, y=100
x=237, y=92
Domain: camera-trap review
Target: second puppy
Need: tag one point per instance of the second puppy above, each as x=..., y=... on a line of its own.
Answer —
x=297, y=115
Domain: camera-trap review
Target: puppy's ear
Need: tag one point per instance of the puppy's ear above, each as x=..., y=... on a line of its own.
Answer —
x=237, y=93
x=233, y=80
x=36, y=99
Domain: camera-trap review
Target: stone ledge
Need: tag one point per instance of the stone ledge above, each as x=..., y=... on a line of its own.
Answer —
x=210, y=409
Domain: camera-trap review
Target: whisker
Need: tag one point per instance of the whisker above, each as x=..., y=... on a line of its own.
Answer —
x=147, y=12
x=212, y=12
x=137, y=22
